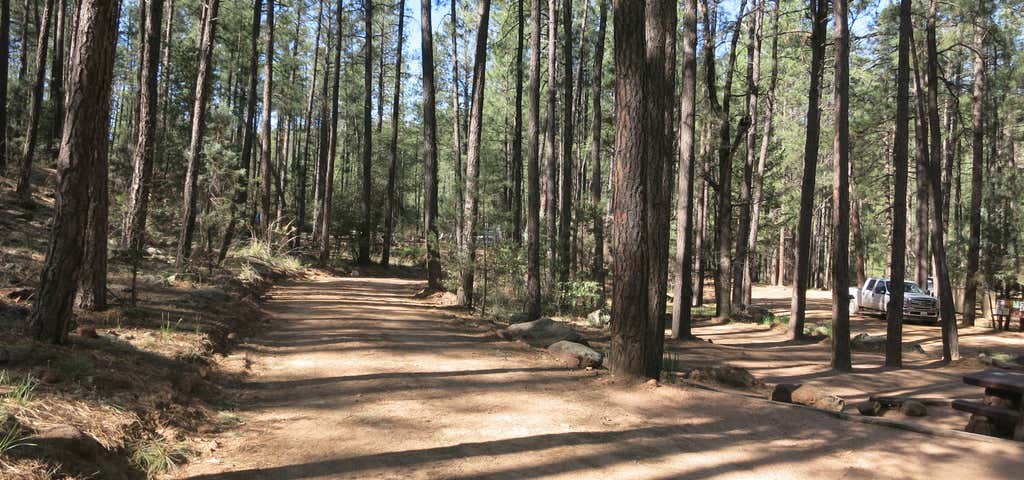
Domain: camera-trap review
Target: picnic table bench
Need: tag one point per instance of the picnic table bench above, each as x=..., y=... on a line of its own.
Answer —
x=1001, y=411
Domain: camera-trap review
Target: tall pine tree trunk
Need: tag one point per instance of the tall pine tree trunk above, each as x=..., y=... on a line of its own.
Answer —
x=550, y=155
x=134, y=229
x=5, y=46
x=533, y=188
x=565, y=200
x=630, y=348
x=242, y=197
x=741, y=264
x=329, y=141
x=762, y=162
x=681, y=320
x=204, y=82
x=818, y=10
x=726, y=151
x=267, y=167
x=83, y=142
x=901, y=140
x=977, y=175
x=598, y=269
x=24, y=189
x=950, y=340
x=429, y=149
x=476, y=117
x=517, y=132
x=364, y=234
x=841, y=359
x=57, y=75
x=389, y=215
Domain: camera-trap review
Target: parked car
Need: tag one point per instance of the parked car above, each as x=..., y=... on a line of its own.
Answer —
x=873, y=297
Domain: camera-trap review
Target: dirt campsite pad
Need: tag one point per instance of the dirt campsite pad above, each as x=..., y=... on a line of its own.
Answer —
x=356, y=379
x=768, y=354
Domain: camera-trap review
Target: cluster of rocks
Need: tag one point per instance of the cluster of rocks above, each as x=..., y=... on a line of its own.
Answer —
x=724, y=375
x=807, y=395
x=558, y=337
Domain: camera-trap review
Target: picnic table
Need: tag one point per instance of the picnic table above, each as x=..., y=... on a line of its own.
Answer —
x=1001, y=411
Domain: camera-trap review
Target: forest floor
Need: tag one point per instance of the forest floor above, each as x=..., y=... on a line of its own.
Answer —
x=772, y=358
x=137, y=387
x=354, y=378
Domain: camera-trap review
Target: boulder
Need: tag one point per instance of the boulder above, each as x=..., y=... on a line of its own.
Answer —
x=913, y=408
x=723, y=374
x=863, y=341
x=807, y=395
x=70, y=439
x=599, y=319
x=520, y=317
x=870, y=408
x=783, y=392
x=577, y=354
x=541, y=333
x=87, y=332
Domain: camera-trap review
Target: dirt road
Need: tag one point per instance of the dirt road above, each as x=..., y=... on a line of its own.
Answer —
x=355, y=379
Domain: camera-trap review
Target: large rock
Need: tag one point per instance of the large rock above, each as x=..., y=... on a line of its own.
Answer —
x=724, y=375
x=599, y=319
x=864, y=341
x=541, y=333
x=577, y=354
x=871, y=408
x=807, y=395
x=519, y=317
x=913, y=408
x=71, y=439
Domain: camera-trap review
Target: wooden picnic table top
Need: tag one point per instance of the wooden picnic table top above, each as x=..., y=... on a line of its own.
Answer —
x=997, y=379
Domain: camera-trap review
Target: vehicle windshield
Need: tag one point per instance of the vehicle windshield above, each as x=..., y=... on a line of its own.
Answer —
x=911, y=287
x=908, y=287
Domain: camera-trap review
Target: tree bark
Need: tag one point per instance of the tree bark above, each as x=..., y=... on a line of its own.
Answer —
x=83, y=142
x=819, y=17
x=598, y=269
x=265, y=132
x=204, y=81
x=429, y=149
x=476, y=117
x=681, y=305
x=894, y=321
x=364, y=234
x=630, y=330
x=977, y=173
x=762, y=162
x=57, y=75
x=566, y=178
x=723, y=223
x=550, y=155
x=533, y=300
x=517, y=132
x=331, y=143
x=242, y=197
x=841, y=357
x=456, y=122
x=389, y=216
x=5, y=46
x=24, y=188
x=950, y=341
x=741, y=263
x=134, y=229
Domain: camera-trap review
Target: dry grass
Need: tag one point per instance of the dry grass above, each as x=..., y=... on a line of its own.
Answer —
x=146, y=388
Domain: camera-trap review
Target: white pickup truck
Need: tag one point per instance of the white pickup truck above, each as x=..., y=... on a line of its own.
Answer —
x=873, y=297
